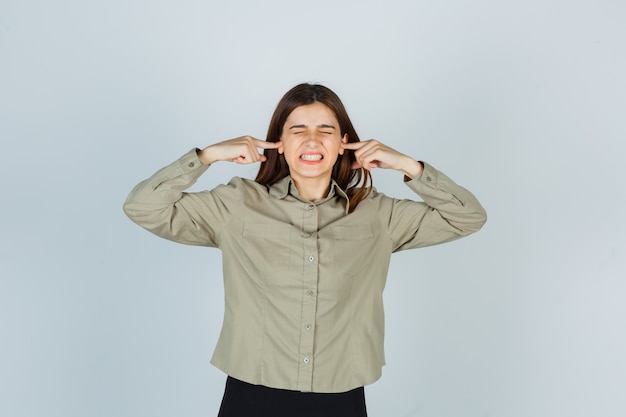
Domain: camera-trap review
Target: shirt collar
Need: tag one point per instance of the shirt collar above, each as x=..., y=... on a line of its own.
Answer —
x=281, y=189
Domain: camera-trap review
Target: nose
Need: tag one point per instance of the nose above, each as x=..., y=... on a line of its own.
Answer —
x=312, y=138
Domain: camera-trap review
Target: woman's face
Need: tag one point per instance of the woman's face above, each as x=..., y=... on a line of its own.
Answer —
x=311, y=143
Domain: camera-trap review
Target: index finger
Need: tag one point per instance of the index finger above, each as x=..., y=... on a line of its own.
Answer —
x=353, y=145
x=267, y=145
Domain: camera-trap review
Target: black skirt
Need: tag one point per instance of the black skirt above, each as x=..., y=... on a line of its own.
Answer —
x=246, y=400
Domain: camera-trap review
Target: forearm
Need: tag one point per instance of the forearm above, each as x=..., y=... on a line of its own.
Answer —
x=411, y=168
x=160, y=205
x=207, y=155
x=167, y=184
x=457, y=205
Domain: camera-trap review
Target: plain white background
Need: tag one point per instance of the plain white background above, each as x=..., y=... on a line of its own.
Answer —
x=522, y=102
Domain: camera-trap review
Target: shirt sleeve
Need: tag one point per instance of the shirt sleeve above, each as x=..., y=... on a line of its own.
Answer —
x=160, y=205
x=448, y=212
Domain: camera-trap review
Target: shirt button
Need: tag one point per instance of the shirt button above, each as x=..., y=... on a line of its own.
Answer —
x=311, y=258
x=308, y=327
x=429, y=179
x=311, y=207
x=310, y=292
x=306, y=360
x=191, y=164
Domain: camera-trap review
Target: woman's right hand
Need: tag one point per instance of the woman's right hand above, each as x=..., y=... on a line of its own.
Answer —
x=241, y=150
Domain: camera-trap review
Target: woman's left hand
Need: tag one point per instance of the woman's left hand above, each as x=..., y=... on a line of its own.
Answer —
x=373, y=154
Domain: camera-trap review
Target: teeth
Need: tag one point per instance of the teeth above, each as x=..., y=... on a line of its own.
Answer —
x=315, y=157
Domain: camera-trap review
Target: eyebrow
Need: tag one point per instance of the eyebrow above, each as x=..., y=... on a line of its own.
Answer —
x=322, y=126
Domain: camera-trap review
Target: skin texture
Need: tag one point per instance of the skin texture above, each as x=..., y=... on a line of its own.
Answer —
x=311, y=143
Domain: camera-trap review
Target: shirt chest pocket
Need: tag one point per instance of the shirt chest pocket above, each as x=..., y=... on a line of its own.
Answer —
x=267, y=245
x=350, y=243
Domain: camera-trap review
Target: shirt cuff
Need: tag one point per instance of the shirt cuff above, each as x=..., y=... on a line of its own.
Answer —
x=428, y=176
x=190, y=162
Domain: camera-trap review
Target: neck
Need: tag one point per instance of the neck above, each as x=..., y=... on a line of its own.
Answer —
x=312, y=189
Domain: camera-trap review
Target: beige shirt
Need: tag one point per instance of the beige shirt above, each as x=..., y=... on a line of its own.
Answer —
x=303, y=280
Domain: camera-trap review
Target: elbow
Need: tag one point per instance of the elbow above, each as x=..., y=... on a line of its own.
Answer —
x=481, y=222
x=127, y=208
x=470, y=222
x=131, y=210
x=478, y=221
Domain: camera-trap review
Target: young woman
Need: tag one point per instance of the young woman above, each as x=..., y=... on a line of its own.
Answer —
x=305, y=252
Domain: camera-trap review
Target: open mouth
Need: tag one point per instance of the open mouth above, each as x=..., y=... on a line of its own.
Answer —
x=311, y=157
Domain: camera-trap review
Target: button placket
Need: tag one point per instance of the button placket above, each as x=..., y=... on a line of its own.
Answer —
x=309, y=295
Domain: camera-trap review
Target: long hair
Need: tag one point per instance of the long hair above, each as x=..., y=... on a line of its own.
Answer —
x=356, y=182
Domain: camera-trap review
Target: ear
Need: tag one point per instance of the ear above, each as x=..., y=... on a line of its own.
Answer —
x=343, y=140
x=280, y=149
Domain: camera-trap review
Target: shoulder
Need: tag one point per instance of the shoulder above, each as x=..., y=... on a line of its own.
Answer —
x=238, y=185
x=375, y=196
x=375, y=200
x=235, y=191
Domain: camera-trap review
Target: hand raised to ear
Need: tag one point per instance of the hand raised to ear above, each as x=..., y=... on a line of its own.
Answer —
x=241, y=150
x=373, y=154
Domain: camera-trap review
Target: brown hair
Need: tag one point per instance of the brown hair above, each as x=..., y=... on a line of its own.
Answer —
x=356, y=182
